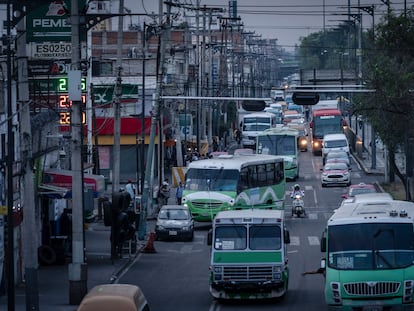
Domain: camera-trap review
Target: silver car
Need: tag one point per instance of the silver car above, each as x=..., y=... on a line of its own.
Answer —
x=174, y=222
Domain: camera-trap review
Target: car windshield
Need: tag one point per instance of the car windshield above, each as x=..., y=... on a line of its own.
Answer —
x=335, y=143
x=355, y=191
x=335, y=166
x=173, y=214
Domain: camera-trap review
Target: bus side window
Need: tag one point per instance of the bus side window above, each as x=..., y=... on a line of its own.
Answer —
x=252, y=176
x=270, y=173
x=261, y=175
x=280, y=174
x=244, y=180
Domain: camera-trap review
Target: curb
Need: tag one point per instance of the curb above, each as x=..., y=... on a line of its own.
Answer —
x=366, y=169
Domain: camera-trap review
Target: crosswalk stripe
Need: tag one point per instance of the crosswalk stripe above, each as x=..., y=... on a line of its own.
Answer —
x=311, y=240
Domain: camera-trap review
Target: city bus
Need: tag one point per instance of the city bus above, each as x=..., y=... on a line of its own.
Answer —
x=233, y=182
x=281, y=141
x=369, y=249
x=248, y=254
x=325, y=121
x=253, y=124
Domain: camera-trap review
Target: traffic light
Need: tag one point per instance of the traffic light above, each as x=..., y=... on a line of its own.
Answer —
x=305, y=98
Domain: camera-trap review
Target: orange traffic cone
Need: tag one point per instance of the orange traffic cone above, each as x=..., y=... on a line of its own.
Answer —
x=149, y=247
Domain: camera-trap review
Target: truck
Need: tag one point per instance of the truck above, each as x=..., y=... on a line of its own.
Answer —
x=326, y=119
x=248, y=254
x=253, y=124
x=369, y=255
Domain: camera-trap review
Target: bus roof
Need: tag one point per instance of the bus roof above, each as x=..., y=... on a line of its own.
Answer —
x=256, y=216
x=326, y=112
x=372, y=211
x=234, y=161
x=280, y=130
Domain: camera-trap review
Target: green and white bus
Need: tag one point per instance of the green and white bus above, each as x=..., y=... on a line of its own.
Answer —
x=234, y=182
x=369, y=263
x=281, y=141
x=248, y=254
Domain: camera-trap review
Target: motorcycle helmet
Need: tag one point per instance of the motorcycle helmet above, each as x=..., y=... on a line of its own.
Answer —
x=296, y=187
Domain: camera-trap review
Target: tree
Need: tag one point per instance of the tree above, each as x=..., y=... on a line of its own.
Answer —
x=389, y=69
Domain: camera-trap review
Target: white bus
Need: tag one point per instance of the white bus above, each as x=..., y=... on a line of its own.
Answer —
x=369, y=249
x=248, y=255
x=234, y=182
x=281, y=141
x=253, y=124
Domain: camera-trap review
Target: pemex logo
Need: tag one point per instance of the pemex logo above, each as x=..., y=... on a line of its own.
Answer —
x=57, y=8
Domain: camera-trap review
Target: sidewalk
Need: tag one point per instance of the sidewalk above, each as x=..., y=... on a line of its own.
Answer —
x=366, y=162
x=53, y=284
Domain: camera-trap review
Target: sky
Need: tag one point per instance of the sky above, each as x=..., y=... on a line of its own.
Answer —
x=286, y=21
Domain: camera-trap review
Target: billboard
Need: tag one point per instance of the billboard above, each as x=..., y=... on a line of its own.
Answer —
x=51, y=22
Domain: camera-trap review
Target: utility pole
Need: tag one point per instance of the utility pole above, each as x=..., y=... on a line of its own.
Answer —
x=11, y=294
x=78, y=268
x=29, y=220
x=154, y=120
x=117, y=109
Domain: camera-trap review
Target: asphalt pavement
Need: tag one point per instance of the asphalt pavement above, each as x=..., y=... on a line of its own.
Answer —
x=53, y=284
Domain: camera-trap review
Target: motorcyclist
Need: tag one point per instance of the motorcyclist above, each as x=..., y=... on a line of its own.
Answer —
x=297, y=190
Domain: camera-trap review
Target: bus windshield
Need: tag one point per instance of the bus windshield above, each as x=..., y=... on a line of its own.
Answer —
x=261, y=237
x=212, y=180
x=277, y=144
x=373, y=246
x=326, y=125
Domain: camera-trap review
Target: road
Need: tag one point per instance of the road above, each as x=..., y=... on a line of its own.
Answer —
x=176, y=276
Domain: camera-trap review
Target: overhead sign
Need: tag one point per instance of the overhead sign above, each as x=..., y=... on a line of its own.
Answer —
x=51, y=22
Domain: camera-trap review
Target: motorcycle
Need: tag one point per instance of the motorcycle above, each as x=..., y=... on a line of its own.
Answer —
x=298, y=206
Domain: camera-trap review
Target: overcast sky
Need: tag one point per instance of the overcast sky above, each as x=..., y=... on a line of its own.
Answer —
x=285, y=20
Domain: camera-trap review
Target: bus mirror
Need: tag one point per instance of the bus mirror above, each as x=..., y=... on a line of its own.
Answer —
x=323, y=242
x=286, y=236
x=209, y=237
x=323, y=263
x=305, y=98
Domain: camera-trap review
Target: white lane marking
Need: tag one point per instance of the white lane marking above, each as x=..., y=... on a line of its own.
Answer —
x=294, y=241
x=313, y=240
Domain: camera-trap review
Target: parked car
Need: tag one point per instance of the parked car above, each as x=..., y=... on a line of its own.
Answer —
x=105, y=297
x=360, y=188
x=335, y=173
x=174, y=222
x=341, y=156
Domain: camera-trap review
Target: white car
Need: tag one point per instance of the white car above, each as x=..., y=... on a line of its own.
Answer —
x=335, y=173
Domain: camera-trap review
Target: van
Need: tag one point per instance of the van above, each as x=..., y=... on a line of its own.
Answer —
x=109, y=297
x=334, y=142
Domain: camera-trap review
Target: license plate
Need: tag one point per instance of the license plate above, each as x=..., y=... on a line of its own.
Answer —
x=172, y=232
x=372, y=308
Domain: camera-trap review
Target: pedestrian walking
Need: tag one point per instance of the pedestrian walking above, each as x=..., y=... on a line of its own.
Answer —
x=130, y=188
x=179, y=193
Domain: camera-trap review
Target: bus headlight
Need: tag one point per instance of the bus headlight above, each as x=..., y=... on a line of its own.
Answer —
x=336, y=292
x=277, y=273
x=217, y=271
x=408, y=291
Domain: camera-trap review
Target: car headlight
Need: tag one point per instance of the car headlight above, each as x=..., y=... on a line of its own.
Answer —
x=159, y=227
